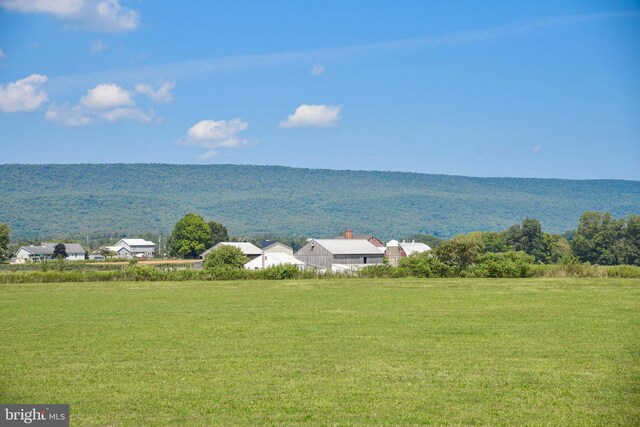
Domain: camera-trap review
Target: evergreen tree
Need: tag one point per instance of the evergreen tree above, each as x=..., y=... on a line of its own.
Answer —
x=60, y=251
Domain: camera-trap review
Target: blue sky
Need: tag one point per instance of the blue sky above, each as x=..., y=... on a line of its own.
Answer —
x=513, y=88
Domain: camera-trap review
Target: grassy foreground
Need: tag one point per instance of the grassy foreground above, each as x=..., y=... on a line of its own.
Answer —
x=410, y=351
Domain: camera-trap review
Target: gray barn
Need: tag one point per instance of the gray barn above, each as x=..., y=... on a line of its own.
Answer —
x=324, y=253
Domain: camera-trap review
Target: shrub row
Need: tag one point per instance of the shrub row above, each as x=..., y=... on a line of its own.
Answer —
x=135, y=272
x=493, y=266
x=586, y=270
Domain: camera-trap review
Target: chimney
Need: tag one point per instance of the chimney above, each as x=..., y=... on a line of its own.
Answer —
x=348, y=234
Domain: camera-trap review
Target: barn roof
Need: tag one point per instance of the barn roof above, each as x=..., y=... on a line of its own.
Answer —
x=349, y=246
x=136, y=242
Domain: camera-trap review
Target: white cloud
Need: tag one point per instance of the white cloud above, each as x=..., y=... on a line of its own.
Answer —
x=313, y=116
x=317, y=70
x=97, y=15
x=23, y=95
x=107, y=102
x=2, y=55
x=60, y=8
x=536, y=149
x=98, y=46
x=161, y=94
x=215, y=134
x=106, y=95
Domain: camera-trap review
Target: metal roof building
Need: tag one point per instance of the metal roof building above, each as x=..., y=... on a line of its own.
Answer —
x=324, y=253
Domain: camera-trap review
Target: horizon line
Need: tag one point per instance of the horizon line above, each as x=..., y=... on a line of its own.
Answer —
x=319, y=169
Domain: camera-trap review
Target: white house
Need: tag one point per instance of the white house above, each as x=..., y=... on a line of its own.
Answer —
x=270, y=259
x=249, y=250
x=74, y=251
x=129, y=248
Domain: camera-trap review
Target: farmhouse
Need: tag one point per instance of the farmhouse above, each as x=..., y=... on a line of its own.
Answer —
x=325, y=253
x=74, y=252
x=130, y=248
x=270, y=259
x=249, y=250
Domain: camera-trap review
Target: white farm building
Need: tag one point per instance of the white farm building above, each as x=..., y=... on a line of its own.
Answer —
x=270, y=259
x=133, y=248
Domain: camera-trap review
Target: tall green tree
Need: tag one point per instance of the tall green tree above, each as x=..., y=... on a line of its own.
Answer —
x=225, y=256
x=594, y=240
x=190, y=236
x=219, y=233
x=601, y=239
x=4, y=241
x=632, y=240
x=529, y=238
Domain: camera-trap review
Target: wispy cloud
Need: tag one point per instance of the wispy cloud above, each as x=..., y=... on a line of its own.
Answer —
x=320, y=56
x=96, y=15
x=160, y=95
x=98, y=46
x=317, y=70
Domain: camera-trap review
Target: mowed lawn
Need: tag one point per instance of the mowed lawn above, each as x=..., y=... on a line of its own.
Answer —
x=336, y=352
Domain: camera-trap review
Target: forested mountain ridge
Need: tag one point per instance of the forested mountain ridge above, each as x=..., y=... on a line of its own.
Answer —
x=58, y=200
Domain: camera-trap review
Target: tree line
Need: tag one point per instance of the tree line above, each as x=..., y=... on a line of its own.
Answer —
x=599, y=239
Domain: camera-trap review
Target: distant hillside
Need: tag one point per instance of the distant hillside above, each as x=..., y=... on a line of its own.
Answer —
x=58, y=200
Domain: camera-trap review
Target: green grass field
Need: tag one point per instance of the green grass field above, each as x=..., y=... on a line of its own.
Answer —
x=337, y=352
